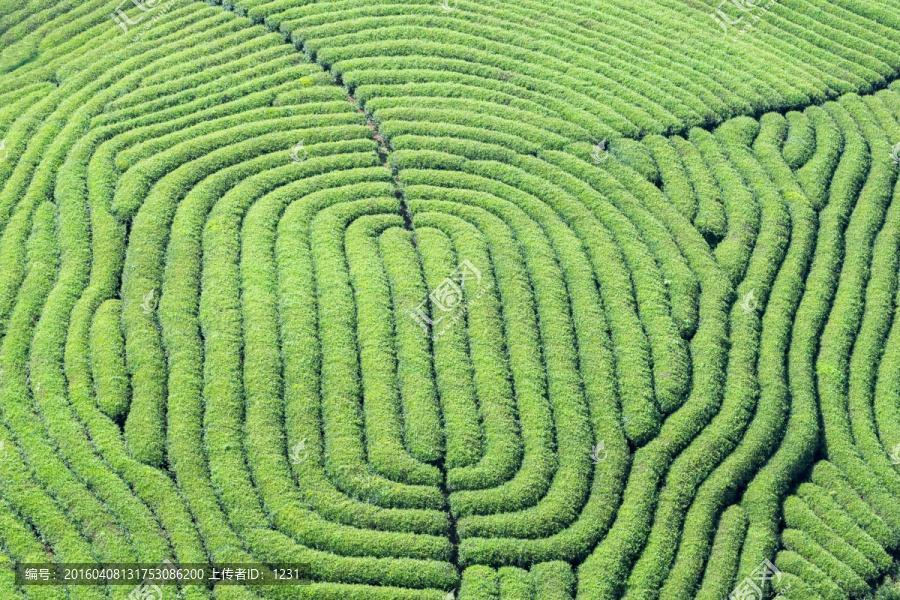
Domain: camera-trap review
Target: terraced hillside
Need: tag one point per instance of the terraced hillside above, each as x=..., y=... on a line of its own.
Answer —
x=494, y=301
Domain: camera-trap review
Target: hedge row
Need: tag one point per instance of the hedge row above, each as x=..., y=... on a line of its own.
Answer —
x=107, y=360
x=710, y=217
x=550, y=580
x=423, y=431
x=816, y=175
x=853, y=556
x=433, y=193
x=74, y=274
x=769, y=487
x=599, y=69
x=494, y=352
x=72, y=304
x=453, y=369
x=800, y=144
x=673, y=175
x=724, y=555
x=25, y=484
x=556, y=474
x=718, y=440
x=842, y=521
x=383, y=412
x=485, y=486
x=788, y=264
x=847, y=313
x=604, y=573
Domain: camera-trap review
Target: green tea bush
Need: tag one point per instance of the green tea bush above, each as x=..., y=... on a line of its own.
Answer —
x=107, y=352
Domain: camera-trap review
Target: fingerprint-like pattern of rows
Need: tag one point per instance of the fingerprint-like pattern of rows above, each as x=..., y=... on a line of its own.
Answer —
x=208, y=351
x=764, y=431
x=160, y=185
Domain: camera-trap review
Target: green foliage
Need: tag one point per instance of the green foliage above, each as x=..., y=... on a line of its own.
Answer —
x=435, y=337
x=108, y=366
x=801, y=140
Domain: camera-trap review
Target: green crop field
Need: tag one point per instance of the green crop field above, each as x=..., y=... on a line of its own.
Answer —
x=451, y=300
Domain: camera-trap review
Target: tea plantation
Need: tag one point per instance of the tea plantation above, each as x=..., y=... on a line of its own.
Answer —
x=446, y=299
